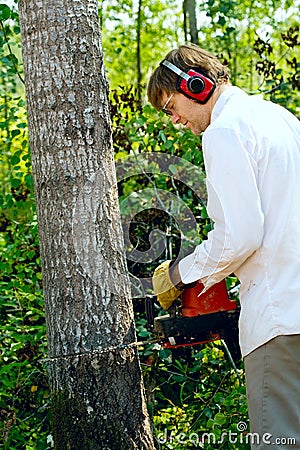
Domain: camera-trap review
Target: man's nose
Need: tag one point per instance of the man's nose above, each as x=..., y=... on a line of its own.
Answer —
x=175, y=118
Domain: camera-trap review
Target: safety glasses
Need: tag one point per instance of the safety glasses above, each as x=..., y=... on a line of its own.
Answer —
x=164, y=108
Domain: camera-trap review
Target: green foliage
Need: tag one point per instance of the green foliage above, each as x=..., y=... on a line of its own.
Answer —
x=233, y=30
x=24, y=386
x=140, y=130
x=196, y=398
x=120, y=44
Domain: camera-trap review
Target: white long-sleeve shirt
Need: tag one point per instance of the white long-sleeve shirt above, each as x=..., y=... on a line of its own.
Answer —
x=252, y=159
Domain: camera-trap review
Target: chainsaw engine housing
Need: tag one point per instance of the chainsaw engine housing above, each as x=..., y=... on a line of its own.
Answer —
x=201, y=317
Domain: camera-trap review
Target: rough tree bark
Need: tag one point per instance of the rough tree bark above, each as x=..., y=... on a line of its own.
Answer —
x=97, y=391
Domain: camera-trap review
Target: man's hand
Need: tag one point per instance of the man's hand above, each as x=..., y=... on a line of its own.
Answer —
x=163, y=287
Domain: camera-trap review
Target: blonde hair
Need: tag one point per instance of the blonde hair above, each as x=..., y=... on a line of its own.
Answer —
x=186, y=57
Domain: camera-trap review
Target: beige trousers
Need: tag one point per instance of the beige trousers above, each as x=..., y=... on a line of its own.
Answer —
x=273, y=393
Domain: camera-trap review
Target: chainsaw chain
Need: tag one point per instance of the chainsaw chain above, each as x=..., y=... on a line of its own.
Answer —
x=101, y=351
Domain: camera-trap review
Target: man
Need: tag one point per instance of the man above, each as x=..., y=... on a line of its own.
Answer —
x=251, y=151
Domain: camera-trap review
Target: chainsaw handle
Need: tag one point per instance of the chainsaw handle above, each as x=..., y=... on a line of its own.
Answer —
x=149, y=308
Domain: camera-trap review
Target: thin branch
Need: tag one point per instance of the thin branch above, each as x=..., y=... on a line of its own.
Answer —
x=12, y=56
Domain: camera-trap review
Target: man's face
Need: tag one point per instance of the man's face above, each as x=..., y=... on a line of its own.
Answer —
x=184, y=110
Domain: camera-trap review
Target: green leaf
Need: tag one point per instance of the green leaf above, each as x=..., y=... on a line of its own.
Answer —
x=15, y=133
x=168, y=144
x=15, y=182
x=22, y=103
x=173, y=169
x=210, y=423
x=22, y=125
x=221, y=21
x=161, y=135
x=15, y=160
x=29, y=180
x=7, y=61
x=4, y=12
x=220, y=419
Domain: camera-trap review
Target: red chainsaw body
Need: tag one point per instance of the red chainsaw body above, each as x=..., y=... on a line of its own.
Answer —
x=202, y=317
x=195, y=302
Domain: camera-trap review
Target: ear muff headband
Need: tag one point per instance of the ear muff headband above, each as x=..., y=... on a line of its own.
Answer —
x=193, y=84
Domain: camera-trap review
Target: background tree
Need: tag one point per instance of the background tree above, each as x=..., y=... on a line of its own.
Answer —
x=248, y=36
x=138, y=50
x=190, y=21
x=94, y=373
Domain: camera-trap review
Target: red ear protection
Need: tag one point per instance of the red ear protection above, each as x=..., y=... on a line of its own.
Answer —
x=193, y=84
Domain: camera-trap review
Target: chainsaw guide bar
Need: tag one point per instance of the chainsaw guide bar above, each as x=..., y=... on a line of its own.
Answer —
x=188, y=331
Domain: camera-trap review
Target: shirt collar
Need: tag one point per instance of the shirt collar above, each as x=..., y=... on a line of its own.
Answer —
x=222, y=100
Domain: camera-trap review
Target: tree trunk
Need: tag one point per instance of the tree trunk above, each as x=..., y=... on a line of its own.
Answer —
x=95, y=378
x=190, y=20
x=138, y=50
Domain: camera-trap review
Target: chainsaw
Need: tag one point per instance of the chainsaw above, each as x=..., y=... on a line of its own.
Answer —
x=198, y=318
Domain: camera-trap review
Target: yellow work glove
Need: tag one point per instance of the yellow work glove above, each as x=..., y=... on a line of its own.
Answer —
x=163, y=287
